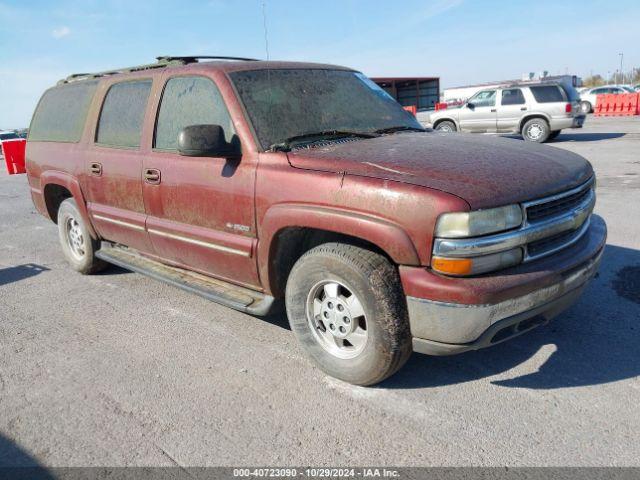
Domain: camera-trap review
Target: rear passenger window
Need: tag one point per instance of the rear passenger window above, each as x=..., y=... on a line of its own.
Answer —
x=190, y=101
x=512, y=97
x=122, y=114
x=62, y=112
x=547, y=94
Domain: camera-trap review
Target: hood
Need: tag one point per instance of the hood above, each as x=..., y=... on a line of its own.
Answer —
x=485, y=171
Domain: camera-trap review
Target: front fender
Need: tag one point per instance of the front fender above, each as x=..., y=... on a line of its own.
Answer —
x=389, y=237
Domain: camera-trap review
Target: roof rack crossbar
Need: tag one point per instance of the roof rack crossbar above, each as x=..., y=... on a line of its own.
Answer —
x=163, y=61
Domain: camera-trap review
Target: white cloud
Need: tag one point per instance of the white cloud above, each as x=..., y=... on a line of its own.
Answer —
x=60, y=32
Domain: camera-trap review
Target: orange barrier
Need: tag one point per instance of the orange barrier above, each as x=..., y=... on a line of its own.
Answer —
x=610, y=105
x=411, y=108
x=441, y=106
x=13, y=151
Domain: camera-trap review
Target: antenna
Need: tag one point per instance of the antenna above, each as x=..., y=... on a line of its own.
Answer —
x=264, y=24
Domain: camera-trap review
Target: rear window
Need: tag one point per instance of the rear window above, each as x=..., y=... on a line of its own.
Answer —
x=61, y=113
x=122, y=114
x=547, y=94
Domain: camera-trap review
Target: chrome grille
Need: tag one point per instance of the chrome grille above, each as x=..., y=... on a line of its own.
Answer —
x=536, y=213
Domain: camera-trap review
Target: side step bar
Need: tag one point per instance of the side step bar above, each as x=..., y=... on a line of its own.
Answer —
x=227, y=294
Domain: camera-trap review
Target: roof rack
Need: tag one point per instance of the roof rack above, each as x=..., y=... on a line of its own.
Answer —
x=163, y=62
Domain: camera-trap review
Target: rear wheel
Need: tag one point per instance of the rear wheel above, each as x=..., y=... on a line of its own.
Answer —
x=346, y=307
x=77, y=245
x=585, y=107
x=536, y=130
x=446, y=126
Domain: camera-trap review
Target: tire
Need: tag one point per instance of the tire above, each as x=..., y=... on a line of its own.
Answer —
x=536, y=130
x=360, y=291
x=554, y=134
x=586, y=107
x=446, y=126
x=77, y=245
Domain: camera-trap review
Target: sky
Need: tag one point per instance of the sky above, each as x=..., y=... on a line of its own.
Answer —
x=460, y=41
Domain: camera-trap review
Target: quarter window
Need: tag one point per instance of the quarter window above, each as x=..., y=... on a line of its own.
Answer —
x=190, y=101
x=62, y=112
x=513, y=96
x=548, y=94
x=122, y=114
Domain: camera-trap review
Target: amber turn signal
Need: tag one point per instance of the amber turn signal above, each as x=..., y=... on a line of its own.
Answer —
x=452, y=266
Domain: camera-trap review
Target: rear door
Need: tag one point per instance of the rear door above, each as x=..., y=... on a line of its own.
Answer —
x=510, y=110
x=200, y=209
x=114, y=165
x=479, y=114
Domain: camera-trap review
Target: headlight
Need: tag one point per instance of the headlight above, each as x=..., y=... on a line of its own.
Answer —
x=479, y=222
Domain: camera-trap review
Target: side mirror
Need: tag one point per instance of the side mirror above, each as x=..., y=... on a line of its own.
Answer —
x=206, y=141
x=470, y=106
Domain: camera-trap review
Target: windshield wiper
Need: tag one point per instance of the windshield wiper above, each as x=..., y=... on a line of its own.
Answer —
x=317, y=136
x=400, y=128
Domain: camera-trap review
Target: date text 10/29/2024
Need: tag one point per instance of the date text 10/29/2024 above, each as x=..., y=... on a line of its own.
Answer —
x=316, y=472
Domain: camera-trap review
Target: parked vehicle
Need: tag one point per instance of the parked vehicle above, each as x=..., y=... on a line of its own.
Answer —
x=252, y=183
x=537, y=112
x=6, y=136
x=637, y=87
x=588, y=98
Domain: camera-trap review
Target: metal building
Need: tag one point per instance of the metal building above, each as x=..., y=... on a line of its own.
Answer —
x=421, y=92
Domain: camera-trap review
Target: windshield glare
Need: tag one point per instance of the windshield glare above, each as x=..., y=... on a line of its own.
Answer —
x=289, y=102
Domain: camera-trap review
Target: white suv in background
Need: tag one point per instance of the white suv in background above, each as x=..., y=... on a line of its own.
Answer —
x=537, y=112
x=588, y=97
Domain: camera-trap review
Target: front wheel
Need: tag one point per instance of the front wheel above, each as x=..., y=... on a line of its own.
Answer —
x=76, y=242
x=446, y=127
x=536, y=130
x=346, y=307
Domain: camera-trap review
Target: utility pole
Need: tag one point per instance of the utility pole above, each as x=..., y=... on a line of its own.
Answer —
x=621, y=74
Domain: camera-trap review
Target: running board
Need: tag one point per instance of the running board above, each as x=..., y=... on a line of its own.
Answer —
x=227, y=294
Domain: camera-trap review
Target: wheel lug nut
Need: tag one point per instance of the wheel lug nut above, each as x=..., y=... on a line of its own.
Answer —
x=346, y=320
x=342, y=330
x=340, y=308
x=330, y=305
x=332, y=326
x=326, y=314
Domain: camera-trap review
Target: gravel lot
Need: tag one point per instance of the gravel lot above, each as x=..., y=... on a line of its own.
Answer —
x=118, y=369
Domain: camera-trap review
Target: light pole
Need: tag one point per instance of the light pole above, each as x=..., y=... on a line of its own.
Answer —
x=621, y=74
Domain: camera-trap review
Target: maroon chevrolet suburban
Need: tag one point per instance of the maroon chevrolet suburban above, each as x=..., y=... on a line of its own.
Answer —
x=255, y=182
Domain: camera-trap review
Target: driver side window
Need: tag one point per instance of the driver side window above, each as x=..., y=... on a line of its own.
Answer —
x=190, y=101
x=485, y=98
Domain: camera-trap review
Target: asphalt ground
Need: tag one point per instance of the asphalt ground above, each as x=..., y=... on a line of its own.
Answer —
x=118, y=369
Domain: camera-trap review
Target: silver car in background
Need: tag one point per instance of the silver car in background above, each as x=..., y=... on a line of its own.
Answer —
x=537, y=112
x=588, y=97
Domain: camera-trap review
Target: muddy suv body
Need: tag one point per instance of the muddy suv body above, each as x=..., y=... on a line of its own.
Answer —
x=255, y=182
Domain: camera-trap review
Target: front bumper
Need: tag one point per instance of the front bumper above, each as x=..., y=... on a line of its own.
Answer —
x=446, y=327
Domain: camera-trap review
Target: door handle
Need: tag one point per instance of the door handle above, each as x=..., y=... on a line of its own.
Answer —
x=95, y=169
x=493, y=110
x=523, y=108
x=152, y=176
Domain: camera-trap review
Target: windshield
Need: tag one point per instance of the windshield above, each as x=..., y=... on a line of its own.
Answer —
x=287, y=103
